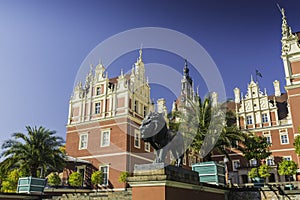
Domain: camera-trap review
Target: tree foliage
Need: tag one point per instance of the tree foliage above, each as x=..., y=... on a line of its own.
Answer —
x=262, y=171
x=287, y=167
x=38, y=151
x=54, y=179
x=123, y=177
x=97, y=177
x=10, y=183
x=297, y=145
x=256, y=147
x=253, y=173
x=75, y=179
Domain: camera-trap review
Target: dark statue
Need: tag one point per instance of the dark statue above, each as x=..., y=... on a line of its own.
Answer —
x=154, y=130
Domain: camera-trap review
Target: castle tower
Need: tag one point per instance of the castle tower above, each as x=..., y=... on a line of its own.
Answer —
x=187, y=90
x=290, y=54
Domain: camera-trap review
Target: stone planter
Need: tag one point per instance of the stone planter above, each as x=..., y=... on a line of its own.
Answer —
x=31, y=185
x=258, y=182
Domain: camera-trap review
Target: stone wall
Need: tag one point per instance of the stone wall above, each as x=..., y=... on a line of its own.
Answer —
x=263, y=193
x=122, y=195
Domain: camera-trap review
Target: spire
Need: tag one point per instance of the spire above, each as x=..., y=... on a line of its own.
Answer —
x=186, y=69
x=251, y=78
x=286, y=30
x=141, y=52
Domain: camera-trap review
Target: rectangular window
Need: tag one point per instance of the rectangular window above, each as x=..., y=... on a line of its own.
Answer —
x=137, y=139
x=284, y=139
x=269, y=139
x=81, y=170
x=287, y=158
x=235, y=165
x=104, y=170
x=145, y=111
x=270, y=161
x=253, y=163
x=98, y=90
x=147, y=146
x=264, y=118
x=249, y=119
x=136, y=106
x=83, y=141
x=97, y=108
x=105, y=138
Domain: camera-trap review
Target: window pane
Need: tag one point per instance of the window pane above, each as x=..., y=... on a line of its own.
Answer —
x=104, y=171
x=105, y=140
x=249, y=119
x=97, y=108
x=264, y=118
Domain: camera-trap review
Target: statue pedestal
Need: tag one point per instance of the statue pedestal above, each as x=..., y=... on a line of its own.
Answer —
x=159, y=182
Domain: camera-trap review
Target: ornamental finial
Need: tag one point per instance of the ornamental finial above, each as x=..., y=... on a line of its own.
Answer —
x=141, y=52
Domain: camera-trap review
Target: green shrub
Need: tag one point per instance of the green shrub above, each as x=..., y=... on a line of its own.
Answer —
x=10, y=183
x=54, y=179
x=97, y=178
x=287, y=168
x=123, y=176
x=75, y=179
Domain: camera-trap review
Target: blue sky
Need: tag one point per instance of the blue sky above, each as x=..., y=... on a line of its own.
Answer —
x=43, y=43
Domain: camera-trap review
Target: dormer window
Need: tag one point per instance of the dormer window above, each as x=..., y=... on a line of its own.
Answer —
x=98, y=90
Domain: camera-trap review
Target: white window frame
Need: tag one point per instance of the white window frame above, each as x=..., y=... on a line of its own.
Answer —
x=147, y=146
x=286, y=157
x=82, y=167
x=102, y=144
x=97, y=108
x=81, y=142
x=137, y=137
x=272, y=161
x=249, y=120
x=268, y=135
x=234, y=167
x=264, y=118
x=253, y=162
x=287, y=138
x=107, y=172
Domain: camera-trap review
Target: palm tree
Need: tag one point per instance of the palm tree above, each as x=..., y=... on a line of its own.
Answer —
x=210, y=129
x=39, y=150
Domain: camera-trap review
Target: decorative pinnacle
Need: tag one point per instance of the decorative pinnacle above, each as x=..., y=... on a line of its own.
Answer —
x=286, y=30
x=185, y=69
x=141, y=52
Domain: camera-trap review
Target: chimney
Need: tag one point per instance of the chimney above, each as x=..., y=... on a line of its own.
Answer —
x=237, y=95
x=276, y=85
